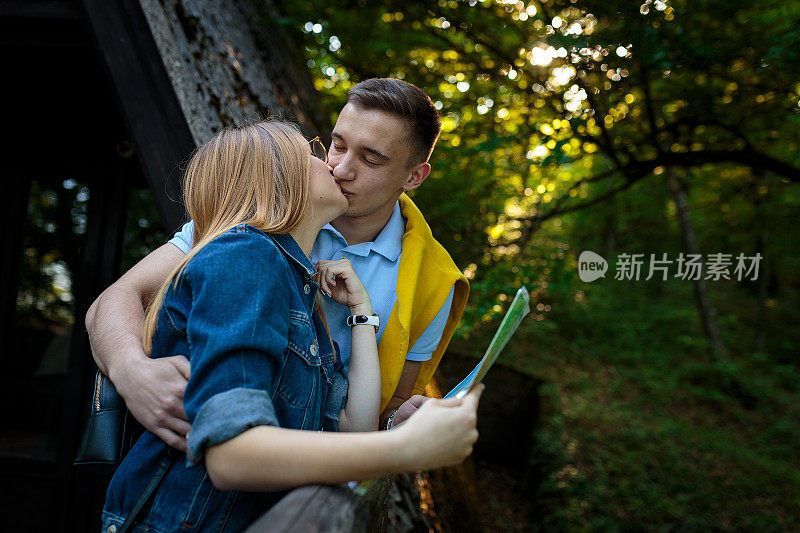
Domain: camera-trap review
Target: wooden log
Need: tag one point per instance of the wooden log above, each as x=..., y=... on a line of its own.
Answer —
x=317, y=508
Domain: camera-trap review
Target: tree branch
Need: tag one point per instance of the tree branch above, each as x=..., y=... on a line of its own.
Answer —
x=638, y=170
x=748, y=157
x=649, y=109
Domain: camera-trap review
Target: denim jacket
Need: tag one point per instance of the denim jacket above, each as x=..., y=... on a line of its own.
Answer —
x=243, y=313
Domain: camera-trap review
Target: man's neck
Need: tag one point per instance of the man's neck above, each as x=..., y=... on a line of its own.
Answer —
x=363, y=228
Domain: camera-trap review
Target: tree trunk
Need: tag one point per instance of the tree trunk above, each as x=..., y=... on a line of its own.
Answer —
x=708, y=315
x=610, y=233
x=233, y=62
x=763, y=285
x=762, y=231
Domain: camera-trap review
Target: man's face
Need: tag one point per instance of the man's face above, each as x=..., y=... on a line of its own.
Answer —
x=369, y=155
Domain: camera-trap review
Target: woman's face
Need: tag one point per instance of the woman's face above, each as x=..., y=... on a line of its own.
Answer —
x=326, y=197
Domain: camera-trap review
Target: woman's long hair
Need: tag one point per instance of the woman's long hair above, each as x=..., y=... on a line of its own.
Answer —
x=256, y=174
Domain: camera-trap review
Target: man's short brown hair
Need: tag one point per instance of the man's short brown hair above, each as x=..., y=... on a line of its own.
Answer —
x=407, y=102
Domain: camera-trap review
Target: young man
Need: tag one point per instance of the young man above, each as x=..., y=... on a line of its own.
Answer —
x=380, y=148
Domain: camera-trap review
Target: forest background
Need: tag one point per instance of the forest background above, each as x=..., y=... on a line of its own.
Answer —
x=657, y=127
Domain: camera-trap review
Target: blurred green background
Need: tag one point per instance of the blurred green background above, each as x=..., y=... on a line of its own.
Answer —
x=621, y=127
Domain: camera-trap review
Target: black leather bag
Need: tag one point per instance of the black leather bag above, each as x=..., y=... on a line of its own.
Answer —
x=109, y=434
x=110, y=429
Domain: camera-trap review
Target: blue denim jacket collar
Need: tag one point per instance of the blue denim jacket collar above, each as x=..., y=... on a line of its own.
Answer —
x=292, y=250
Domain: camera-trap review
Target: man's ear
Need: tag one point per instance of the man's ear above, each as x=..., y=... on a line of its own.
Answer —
x=417, y=176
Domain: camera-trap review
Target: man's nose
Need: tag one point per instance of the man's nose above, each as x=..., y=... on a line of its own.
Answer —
x=342, y=168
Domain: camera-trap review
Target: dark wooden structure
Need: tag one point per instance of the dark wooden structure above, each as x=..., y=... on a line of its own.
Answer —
x=102, y=101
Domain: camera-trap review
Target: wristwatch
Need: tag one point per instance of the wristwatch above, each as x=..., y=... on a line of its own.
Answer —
x=387, y=424
x=355, y=320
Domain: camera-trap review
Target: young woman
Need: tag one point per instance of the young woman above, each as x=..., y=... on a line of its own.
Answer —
x=263, y=367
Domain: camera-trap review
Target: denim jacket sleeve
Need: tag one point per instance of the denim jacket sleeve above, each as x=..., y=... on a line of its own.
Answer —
x=237, y=332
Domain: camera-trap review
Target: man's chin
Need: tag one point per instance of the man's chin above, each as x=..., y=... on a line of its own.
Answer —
x=353, y=213
x=343, y=208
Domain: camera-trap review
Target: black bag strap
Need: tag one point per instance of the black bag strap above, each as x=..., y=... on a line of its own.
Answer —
x=148, y=491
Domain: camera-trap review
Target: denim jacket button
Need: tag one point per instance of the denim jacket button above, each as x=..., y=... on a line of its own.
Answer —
x=111, y=529
x=313, y=349
x=306, y=288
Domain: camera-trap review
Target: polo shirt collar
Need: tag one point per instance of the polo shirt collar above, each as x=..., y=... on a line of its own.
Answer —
x=334, y=232
x=388, y=243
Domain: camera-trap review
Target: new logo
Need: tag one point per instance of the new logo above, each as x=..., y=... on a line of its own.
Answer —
x=591, y=266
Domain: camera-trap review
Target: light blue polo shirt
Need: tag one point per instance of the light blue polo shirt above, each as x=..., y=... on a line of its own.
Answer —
x=376, y=263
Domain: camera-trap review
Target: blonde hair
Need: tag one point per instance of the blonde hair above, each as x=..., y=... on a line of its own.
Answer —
x=256, y=174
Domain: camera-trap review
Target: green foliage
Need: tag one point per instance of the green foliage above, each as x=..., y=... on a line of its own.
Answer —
x=642, y=428
x=55, y=224
x=143, y=229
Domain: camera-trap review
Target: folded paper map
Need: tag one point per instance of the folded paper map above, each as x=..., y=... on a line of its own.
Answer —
x=516, y=312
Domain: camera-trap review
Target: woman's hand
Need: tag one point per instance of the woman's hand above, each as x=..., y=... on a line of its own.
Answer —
x=338, y=280
x=442, y=432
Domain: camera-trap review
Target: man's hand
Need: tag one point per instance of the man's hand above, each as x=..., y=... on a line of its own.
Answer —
x=153, y=391
x=152, y=388
x=403, y=392
x=407, y=409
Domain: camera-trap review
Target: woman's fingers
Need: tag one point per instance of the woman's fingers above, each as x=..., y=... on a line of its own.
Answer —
x=325, y=277
x=339, y=281
x=474, y=396
x=450, y=402
x=332, y=271
x=341, y=267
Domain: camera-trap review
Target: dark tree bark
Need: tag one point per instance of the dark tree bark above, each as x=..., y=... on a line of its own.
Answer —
x=610, y=230
x=762, y=243
x=708, y=314
x=231, y=62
